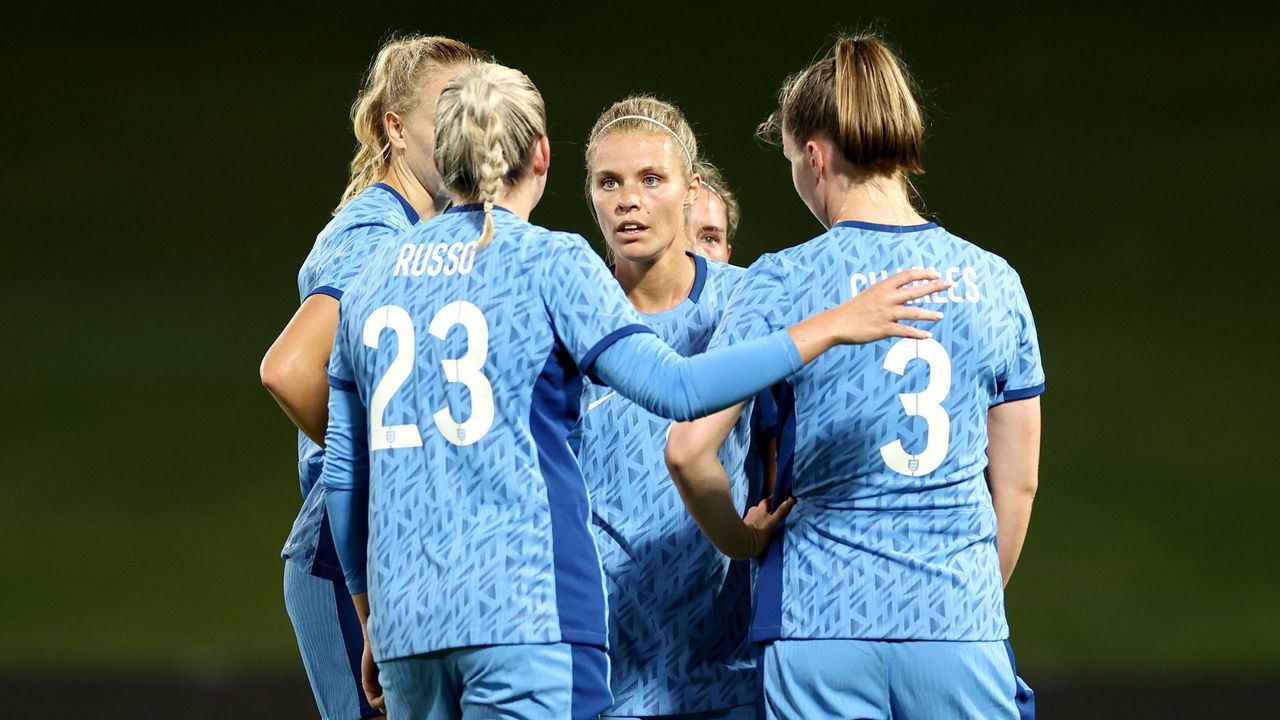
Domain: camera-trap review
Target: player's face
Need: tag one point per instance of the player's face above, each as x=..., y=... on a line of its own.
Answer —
x=709, y=226
x=802, y=176
x=420, y=131
x=640, y=193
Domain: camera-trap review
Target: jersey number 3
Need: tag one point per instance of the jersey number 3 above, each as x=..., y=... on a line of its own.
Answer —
x=466, y=370
x=926, y=404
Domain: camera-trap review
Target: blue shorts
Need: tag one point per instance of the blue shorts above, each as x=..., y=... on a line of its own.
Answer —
x=1024, y=697
x=330, y=640
x=515, y=682
x=739, y=712
x=878, y=680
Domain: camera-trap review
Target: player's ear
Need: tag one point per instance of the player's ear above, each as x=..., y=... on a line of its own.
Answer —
x=815, y=153
x=542, y=156
x=393, y=126
x=691, y=194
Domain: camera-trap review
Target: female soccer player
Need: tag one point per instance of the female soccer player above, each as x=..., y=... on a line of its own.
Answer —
x=881, y=595
x=713, y=218
x=678, y=613
x=456, y=374
x=393, y=184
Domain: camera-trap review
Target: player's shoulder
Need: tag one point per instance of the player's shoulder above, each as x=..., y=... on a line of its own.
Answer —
x=377, y=206
x=720, y=277
x=976, y=255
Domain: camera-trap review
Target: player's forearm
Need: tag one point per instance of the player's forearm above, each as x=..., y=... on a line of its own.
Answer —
x=1013, y=460
x=693, y=458
x=704, y=487
x=361, y=602
x=1013, y=517
x=685, y=388
x=348, y=512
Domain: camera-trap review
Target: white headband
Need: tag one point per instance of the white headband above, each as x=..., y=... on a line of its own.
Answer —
x=655, y=122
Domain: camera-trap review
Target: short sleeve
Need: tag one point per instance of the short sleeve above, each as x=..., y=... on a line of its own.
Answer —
x=1025, y=375
x=586, y=305
x=758, y=305
x=349, y=255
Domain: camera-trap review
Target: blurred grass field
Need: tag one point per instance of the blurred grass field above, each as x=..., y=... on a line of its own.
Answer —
x=160, y=202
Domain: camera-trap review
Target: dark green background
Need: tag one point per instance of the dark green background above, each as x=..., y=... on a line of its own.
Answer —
x=166, y=172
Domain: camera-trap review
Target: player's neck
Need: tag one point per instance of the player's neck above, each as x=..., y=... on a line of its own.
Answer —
x=879, y=199
x=660, y=285
x=520, y=199
x=410, y=188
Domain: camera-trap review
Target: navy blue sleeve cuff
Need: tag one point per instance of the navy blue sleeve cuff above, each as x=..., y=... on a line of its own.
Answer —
x=1021, y=394
x=340, y=384
x=329, y=290
x=606, y=342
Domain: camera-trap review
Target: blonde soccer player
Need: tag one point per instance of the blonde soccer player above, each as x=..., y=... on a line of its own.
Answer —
x=393, y=185
x=678, y=609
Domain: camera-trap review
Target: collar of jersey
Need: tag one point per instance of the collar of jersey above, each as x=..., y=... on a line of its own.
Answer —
x=475, y=207
x=409, y=212
x=695, y=292
x=885, y=228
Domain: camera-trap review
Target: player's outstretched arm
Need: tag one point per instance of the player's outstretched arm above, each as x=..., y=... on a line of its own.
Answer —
x=693, y=457
x=688, y=388
x=293, y=370
x=1013, y=474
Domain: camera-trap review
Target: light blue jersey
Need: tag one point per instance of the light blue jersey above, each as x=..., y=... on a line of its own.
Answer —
x=678, y=609
x=456, y=375
x=884, y=445
x=363, y=225
x=478, y=529
x=319, y=606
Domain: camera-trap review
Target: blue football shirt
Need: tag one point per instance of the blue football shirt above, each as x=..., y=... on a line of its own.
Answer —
x=679, y=611
x=358, y=230
x=467, y=362
x=884, y=445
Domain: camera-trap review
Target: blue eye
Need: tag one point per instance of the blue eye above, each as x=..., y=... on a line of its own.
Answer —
x=651, y=180
x=609, y=184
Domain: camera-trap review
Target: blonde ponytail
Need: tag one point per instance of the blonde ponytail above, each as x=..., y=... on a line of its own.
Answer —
x=488, y=120
x=393, y=84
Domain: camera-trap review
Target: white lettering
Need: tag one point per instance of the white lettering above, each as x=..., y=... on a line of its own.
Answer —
x=437, y=260
x=420, y=261
x=971, y=293
x=402, y=263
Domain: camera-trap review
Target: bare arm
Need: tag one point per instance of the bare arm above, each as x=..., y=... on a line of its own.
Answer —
x=1013, y=472
x=694, y=461
x=293, y=370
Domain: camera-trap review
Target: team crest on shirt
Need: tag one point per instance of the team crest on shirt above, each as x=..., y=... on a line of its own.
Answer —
x=913, y=465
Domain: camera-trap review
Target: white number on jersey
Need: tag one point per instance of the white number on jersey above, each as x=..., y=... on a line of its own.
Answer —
x=398, y=321
x=467, y=370
x=926, y=404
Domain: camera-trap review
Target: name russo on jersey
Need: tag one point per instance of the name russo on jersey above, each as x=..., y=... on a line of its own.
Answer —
x=965, y=289
x=434, y=259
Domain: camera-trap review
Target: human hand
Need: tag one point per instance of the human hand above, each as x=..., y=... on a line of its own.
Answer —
x=877, y=312
x=760, y=524
x=369, y=679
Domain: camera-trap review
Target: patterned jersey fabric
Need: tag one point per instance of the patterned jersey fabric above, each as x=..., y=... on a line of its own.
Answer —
x=360, y=228
x=678, y=610
x=884, y=445
x=468, y=364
